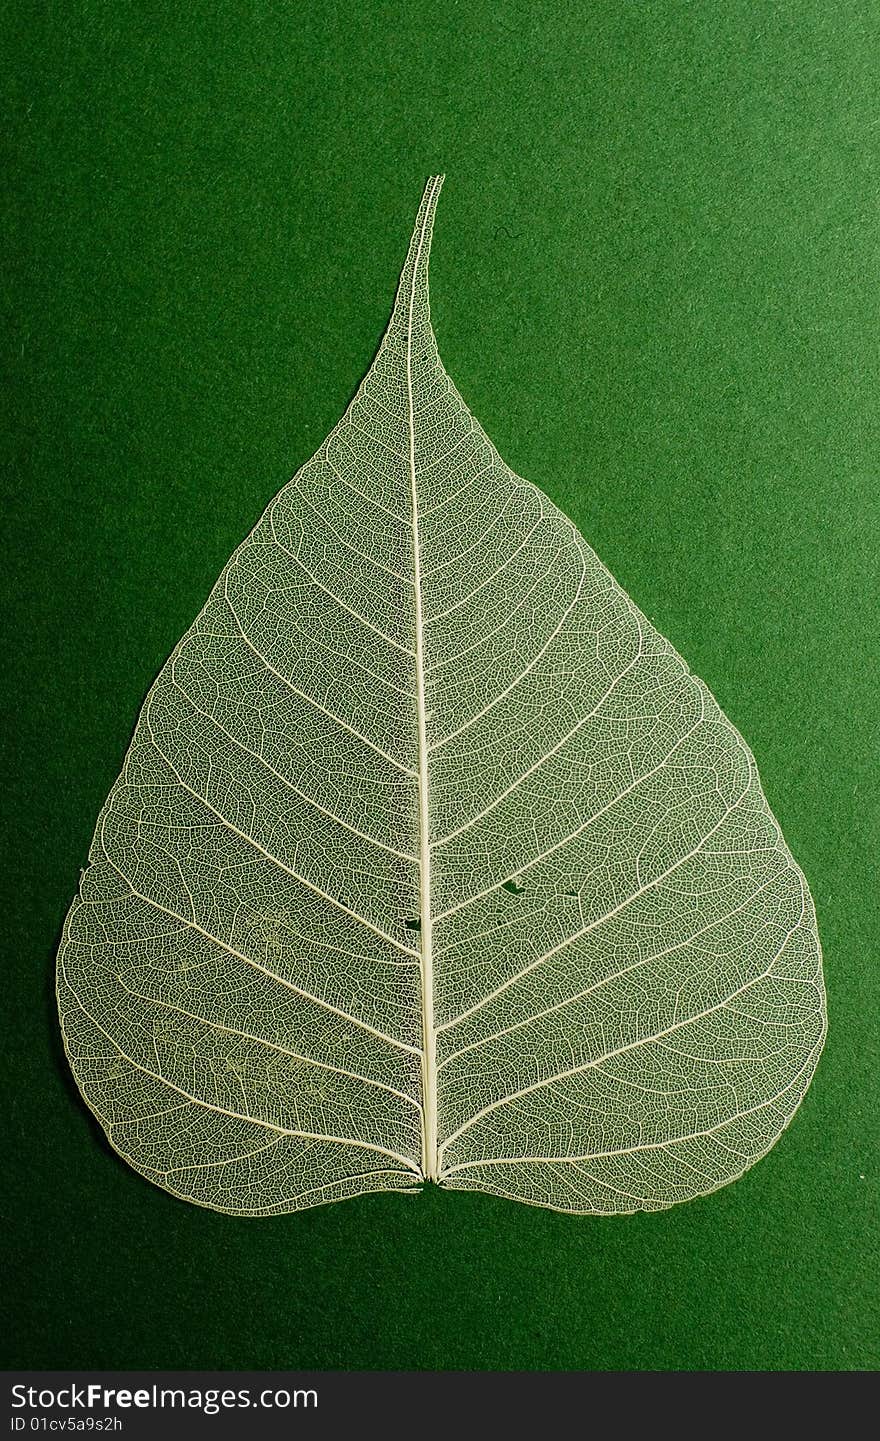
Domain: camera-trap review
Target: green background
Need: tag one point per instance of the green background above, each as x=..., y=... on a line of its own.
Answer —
x=655, y=282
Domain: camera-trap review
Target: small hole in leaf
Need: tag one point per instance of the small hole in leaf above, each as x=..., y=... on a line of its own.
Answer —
x=514, y=889
x=413, y=925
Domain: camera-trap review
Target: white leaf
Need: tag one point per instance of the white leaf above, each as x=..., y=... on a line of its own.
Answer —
x=430, y=858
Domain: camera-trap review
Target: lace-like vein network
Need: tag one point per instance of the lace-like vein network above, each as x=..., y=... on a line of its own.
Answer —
x=435, y=861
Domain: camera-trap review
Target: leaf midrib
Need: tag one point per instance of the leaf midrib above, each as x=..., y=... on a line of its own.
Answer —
x=430, y=1155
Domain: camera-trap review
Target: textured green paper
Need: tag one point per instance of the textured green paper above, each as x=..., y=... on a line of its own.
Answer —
x=654, y=285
